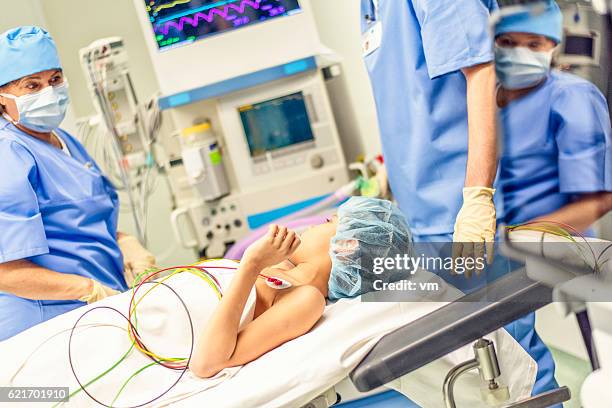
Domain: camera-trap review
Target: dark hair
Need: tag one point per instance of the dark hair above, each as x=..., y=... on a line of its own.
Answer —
x=2, y=109
x=2, y=89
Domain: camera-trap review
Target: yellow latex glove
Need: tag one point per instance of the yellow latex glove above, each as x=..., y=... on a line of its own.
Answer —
x=136, y=259
x=475, y=225
x=98, y=292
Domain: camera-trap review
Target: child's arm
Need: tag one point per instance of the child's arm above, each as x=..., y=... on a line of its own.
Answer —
x=582, y=213
x=293, y=315
x=221, y=345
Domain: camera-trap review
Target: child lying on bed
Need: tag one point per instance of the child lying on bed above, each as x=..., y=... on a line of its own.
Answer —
x=326, y=261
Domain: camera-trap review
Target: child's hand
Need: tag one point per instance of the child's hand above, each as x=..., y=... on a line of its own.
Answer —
x=274, y=247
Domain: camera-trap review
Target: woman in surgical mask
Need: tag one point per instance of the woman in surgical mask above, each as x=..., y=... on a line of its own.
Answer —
x=59, y=245
x=556, y=163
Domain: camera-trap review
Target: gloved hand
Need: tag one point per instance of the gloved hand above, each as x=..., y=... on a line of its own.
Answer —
x=475, y=225
x=136, y=259
x=98, y=292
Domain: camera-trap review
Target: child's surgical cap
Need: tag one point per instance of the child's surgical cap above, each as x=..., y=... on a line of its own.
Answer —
x=368, y=228
x=25, y=51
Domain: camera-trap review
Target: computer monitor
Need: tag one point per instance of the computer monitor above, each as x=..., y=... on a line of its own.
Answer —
x=180, y=22
x=275, y=124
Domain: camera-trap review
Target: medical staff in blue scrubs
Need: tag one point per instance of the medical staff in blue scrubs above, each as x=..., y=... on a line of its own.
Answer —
x=556, y=162
x=557, y=146
x=430, y=64
x=432, y=74
x=59, y=244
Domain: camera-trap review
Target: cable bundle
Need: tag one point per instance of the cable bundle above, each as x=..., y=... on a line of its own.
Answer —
x=569, y=233
x=179, y=364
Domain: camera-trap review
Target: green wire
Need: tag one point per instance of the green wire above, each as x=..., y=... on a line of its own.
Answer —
x=78, y=390
x=130, y=379
x=551, y=228
x=97, y=378
x=137, y=280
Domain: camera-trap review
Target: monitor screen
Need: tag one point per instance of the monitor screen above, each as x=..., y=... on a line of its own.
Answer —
x=276, y=123
x=579, y=45
x=180, y=22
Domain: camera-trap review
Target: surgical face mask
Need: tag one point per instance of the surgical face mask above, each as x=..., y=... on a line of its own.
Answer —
x=42, y=111
x=519, y=67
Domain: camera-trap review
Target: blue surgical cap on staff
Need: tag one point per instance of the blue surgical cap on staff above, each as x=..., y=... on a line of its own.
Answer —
x=545, y=19
x=25, y=51
x=368, y=228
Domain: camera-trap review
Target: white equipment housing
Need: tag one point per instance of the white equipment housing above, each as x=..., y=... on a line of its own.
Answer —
x=240, y=81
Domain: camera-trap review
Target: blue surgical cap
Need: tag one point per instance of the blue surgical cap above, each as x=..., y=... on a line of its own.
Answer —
x=547, y=21
x=368, y=228
x=25, y=51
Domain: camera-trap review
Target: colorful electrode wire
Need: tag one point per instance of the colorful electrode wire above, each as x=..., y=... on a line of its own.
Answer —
x=180, y=364
x=174, y=363
x=567, y=232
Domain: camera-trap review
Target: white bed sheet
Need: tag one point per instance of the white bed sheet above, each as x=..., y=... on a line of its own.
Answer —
x=288, y=376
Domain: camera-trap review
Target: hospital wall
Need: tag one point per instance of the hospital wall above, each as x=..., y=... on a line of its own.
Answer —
x=30, y=12
x=19, y=13
x=339, y=29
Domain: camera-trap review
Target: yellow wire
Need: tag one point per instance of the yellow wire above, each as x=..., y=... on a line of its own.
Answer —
x=193, y=271
x=152, y=354
x=562, y=234
x=554, y=230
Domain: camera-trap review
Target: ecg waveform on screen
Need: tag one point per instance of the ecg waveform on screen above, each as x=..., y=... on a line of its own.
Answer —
x=178, y=22
x=161, y=7
x=209, y=16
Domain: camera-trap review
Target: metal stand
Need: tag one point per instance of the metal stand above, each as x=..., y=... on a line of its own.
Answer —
x=493, y=393
x=488, y=366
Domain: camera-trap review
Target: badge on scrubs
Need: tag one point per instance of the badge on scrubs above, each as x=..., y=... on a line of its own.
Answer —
x=371, y=39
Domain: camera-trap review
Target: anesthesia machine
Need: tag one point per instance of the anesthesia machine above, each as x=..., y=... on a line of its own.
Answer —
x=244, y=85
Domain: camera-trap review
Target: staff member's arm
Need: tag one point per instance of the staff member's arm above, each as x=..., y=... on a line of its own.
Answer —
x=27, y=280
x=584, y=144
x=23, y=236
x=456, y=38
x=476, y=221
x=583, y=212
x=482, y=139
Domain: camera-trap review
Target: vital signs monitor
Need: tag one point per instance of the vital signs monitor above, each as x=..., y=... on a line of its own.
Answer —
x=179, y=22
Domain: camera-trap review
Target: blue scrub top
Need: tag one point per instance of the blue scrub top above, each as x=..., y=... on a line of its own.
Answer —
x=420, y=96
x=58, y=212
x=557, y=144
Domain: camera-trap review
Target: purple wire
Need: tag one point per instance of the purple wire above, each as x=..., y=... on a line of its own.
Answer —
x=135, y=331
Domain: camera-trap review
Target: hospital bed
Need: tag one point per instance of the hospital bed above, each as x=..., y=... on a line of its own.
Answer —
x=419, y=343
x=293, y=375
x=399, y=355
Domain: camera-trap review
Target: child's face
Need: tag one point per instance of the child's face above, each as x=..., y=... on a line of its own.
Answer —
x=534, y=42
x=316, y=239
x=323, y=231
